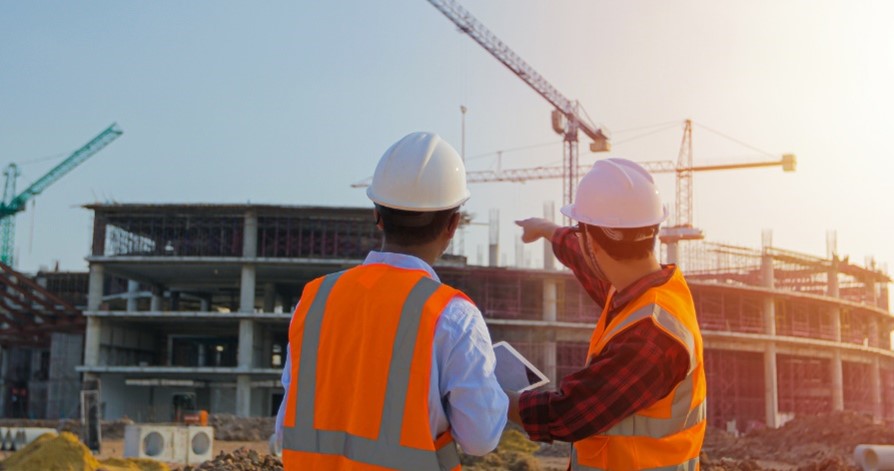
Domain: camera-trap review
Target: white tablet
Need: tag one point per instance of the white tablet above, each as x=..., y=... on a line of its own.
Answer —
x=514, y=372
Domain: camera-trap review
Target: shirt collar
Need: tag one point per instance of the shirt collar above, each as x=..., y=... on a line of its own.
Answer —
x=400, y=260
x=640, y=286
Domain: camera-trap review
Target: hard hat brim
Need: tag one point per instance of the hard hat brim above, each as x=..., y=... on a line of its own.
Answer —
x=569, y=210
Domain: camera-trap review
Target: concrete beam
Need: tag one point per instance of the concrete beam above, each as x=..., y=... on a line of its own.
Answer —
x=187, y=370
x=187, y=315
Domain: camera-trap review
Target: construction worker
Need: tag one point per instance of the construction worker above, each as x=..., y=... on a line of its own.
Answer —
x=386, y=366
x=639, y=401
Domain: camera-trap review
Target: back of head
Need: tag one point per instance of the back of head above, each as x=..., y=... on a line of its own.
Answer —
x=419, y=182
x=618, y=202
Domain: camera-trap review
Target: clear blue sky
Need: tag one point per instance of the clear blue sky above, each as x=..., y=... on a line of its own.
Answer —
x=290, y=102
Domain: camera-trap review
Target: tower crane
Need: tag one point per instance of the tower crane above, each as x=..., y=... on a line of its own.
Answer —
x=14, y=203
x=682, y=228
x=567, y=119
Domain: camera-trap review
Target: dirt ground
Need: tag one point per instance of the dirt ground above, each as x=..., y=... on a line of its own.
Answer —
x=115, y=448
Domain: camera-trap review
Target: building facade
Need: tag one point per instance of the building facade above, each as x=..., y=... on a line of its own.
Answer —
x=196, y=299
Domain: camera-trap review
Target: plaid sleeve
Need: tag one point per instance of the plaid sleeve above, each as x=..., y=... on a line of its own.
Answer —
x=637, y=368
x=567, y=250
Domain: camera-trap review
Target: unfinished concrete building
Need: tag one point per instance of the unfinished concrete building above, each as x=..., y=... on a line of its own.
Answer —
x=205, y=294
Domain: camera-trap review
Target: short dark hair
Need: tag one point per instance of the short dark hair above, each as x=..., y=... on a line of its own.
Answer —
x=409, y=228
x=625, y=244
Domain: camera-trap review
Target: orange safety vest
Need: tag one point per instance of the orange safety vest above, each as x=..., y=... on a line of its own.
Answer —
x=361, y=346
x=667, y=435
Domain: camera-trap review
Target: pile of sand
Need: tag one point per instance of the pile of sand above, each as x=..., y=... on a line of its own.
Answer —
x=64, y=452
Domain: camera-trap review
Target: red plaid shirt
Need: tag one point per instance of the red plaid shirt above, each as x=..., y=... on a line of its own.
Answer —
x=637, y=367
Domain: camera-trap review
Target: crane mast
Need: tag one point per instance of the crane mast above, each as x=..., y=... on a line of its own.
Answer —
x=566, y=119
x=14, y=203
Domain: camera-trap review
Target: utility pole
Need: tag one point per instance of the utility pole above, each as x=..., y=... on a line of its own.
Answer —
x=462, y=153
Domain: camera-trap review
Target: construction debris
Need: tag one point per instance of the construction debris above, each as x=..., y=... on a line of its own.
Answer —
x=239, y=460
x=248, y=429
x=821, y=442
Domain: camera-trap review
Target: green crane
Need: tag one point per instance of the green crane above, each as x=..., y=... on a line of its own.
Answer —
x=14, y=203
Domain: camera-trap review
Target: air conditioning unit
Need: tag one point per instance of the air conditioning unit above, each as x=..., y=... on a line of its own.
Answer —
x=157, y=442
x=199, y=444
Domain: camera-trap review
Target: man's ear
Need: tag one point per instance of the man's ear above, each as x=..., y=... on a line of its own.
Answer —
x=378, y=217
x=453, y=224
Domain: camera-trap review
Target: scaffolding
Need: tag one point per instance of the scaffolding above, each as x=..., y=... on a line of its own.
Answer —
x=817, y=306
x=735, y=388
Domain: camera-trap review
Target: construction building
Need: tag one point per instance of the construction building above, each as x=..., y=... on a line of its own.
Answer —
x=197, y=299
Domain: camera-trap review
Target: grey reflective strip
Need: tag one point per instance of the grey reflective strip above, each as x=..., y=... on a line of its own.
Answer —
x=678, y=330
x=690, y=465
x=681, y=417
x=386, y=450
x=402, y=357
x=637, y=315
x=666, y=320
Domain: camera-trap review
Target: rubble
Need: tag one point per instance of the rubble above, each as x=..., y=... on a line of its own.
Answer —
x=821, y=442
x=239, y=460
x=249, y=429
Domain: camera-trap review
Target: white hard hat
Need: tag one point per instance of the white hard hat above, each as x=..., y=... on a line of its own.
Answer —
x=617, y=193
x=421, y=172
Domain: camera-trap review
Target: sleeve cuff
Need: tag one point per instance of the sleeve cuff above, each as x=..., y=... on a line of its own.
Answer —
x=527, y=406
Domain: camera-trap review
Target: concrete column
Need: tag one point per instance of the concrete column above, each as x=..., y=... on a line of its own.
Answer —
x=771, y=379
x=771, y=387
x=874, y=332
x=269, y=297
x=549, y=362
x=493, y=248
x=246, y=361
x=243, y=396
x=833, y=291
x=94, y=324
x=672, y=255
x=247, y=289
x=247, y=304
x=249, y=250
x=205, y=304
x=550, y=308
x=92, y=334
x=250, y=235
x=877, y=395
x=837, y=382
x=95, y=288
x=246, y=343
x=156, y=303
x=132, y=287
x=550, y=301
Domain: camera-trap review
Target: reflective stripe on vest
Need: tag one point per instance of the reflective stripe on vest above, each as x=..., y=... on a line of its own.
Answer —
x=386, y=450
x=682, y=417
x=663, y=319
x=690, y=465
